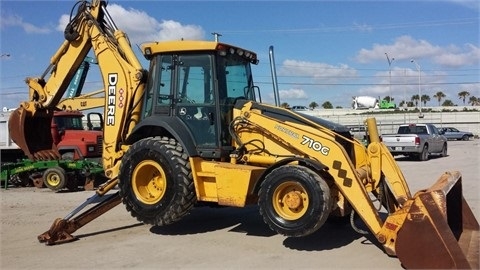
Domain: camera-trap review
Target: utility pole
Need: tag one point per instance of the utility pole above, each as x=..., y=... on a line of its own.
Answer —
x=420, y=115
x=390, y=61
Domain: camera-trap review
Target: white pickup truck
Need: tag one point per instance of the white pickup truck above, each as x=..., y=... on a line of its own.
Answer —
x=416, y=140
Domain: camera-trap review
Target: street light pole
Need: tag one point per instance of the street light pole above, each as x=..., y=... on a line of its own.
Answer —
x=390, y=61
x=419, y=89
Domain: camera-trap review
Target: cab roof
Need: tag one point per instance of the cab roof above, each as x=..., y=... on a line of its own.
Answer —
x=152, y=48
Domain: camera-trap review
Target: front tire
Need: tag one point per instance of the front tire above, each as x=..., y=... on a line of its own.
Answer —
x=444, y=150
x=294, y=200
x=155, y=181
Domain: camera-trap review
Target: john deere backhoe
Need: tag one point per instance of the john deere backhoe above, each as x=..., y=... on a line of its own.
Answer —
x=193, y=129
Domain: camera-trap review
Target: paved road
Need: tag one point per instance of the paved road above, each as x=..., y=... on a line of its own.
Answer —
x=207, y=238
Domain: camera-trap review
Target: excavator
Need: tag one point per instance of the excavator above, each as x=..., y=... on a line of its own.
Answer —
x=193, y=129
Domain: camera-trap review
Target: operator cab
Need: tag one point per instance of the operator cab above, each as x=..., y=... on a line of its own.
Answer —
x=196, y=83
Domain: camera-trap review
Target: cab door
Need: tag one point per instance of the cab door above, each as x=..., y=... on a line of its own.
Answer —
x=159, y=92
x=195, y=101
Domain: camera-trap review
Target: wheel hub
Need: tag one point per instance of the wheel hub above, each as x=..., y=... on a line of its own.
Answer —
x=293, y=199
x=149, y=182
x=53, y=179
x=290, y=200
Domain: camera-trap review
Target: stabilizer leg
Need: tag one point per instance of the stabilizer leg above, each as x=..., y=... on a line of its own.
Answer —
x=61, y=230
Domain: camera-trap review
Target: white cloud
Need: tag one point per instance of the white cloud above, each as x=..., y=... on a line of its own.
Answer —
x=362, y=27
x=12, y=20
x=472, y=4
x=318, y=71
x=406, y=47
x=293, y=93
x=457, y=57
x=62, y=22
x=171, y=30
x=141, y=27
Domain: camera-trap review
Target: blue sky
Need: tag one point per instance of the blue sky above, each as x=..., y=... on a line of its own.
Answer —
x=324, y=50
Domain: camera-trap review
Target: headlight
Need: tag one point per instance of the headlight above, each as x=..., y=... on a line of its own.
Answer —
x=91, y=148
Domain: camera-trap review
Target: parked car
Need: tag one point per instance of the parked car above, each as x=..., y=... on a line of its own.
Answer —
x=454, y=134
x=299, y=108
x=416, y=140
x=358, y=131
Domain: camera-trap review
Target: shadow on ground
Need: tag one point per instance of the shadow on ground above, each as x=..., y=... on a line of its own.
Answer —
x=248, y=221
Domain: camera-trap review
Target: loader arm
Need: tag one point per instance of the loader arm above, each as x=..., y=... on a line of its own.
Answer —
x=91, y=29
x=355, y=176
x=435, y=228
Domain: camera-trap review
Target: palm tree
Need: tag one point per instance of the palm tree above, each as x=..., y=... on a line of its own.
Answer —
x=473, y=101
x=327, y=105
x=388, y=98
x=447, y=103
x=439, y=95
x=463, y=95
x=415, y=98
x=313, y=105
x=425, y=99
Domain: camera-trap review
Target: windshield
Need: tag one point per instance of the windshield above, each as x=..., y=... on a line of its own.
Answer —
x=69, y=123
x=412, y=130
x=235, y=76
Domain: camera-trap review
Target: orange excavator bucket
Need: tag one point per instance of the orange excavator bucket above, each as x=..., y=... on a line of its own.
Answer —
x=440, y=230
x=32, y=133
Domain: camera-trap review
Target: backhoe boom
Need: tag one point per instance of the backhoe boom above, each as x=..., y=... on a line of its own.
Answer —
x=123, y=77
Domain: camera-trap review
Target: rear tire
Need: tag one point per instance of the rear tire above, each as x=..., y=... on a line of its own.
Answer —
x=155, y=181
x=423, y=156
x=294, y=200
x=55, y=178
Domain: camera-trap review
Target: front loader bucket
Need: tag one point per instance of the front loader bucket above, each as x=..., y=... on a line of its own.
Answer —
x=440, y=230
x=32, y=133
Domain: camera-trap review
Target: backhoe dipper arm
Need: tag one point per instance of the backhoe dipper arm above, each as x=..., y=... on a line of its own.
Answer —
x=123, y=77
x=64, y=63
x=92, y=28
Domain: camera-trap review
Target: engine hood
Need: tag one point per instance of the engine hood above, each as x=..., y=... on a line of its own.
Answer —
x=297, y=117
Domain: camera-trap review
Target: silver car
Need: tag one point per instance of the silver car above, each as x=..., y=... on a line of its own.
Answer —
x=454, y=134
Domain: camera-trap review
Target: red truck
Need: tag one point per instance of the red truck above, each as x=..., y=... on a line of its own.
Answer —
x=72, y=139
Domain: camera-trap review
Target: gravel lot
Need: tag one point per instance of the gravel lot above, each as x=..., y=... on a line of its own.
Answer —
x=208, y=237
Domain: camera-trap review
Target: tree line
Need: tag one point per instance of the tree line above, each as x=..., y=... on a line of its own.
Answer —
x=413, y=102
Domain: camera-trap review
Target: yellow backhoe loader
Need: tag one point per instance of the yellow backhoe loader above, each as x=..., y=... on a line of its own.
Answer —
x=193, y=129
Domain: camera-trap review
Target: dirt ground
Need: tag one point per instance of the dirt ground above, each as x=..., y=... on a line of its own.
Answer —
x=210, y=238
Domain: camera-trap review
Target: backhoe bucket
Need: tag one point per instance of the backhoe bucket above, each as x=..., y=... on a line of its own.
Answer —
x=440, y=230
x=32, y=133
